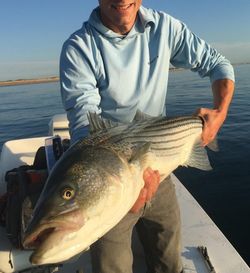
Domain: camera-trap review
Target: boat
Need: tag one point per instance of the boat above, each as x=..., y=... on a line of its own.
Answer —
x=205, y=248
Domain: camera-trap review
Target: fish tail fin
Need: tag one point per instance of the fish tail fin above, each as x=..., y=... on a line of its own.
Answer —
x=213, y=145
x=199, y=158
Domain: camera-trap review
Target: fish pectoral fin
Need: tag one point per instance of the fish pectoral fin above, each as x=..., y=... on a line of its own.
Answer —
x=141, y=154
x=199, y=158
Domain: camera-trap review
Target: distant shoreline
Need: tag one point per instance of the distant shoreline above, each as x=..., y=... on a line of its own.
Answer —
x=56, y=78
x=48, y=79
x=29, y=81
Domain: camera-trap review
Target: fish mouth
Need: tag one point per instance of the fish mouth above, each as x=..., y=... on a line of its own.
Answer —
x=48, y=234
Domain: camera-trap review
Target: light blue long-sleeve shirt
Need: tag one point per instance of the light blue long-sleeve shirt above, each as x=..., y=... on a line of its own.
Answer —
x=112, y=74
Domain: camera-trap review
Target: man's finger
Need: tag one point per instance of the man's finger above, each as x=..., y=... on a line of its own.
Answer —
x=152, y=182
x=140, y=202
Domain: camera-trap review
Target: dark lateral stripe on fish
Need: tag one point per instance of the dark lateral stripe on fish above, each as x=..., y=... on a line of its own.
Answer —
x=155, y=145
x=171, y=129
x=163, y=142
x=152, y=128
x=176, y=121
x=167, y=148
x=153, y=136
x=164, y=126
x=135, y=128
x=161, y=124
x=173, y=119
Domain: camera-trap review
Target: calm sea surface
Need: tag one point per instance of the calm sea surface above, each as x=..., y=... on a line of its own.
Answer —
x=224, y=192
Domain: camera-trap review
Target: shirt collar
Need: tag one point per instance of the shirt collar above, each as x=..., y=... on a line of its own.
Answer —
x=146, y=17
x=142, y=21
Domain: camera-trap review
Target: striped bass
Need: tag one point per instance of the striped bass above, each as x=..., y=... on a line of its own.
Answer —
x=98, y=179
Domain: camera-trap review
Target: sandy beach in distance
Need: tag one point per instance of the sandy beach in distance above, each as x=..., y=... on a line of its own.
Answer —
x=42, y=80
x=29, y=81
x=56, y=78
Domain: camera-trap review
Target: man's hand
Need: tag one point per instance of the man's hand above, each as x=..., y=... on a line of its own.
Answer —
x=214, y=118
x=152, y=181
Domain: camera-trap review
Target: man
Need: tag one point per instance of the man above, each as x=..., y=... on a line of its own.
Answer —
x=116, y=63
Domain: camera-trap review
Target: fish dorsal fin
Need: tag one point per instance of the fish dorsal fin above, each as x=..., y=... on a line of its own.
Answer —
x=199, y=158
x=139, y=115
x=97, y=123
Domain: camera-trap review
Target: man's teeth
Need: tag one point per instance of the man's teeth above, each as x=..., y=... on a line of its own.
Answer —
x=122, y=7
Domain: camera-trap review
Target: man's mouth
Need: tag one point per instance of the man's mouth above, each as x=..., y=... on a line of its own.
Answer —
x=122, y=8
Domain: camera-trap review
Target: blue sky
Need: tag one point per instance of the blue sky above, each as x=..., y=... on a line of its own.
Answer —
x=32, y=33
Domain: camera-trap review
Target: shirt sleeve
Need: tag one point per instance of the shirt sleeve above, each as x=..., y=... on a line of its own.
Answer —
x=190, y=52
x=79, y=91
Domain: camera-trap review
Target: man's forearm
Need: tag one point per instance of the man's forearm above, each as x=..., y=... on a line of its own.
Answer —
x=222, y=92
x=214, y=118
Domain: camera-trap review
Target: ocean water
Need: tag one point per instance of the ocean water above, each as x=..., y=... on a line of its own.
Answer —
x=224, y=192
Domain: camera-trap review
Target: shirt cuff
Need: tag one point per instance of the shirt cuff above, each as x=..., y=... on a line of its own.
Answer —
x=223, y=70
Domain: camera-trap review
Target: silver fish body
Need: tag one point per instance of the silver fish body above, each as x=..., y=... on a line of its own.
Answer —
x=97, y=181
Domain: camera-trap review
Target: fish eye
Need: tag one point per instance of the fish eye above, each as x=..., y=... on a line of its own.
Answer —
x=68, y=193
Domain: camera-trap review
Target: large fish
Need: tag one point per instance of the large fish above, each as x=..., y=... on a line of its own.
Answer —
x=97, y=181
